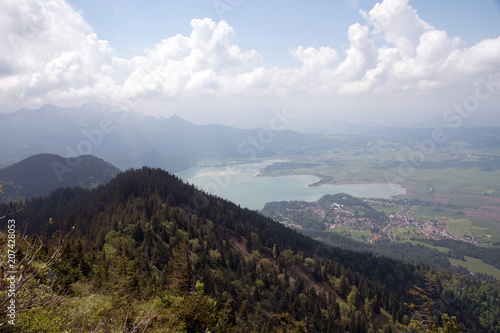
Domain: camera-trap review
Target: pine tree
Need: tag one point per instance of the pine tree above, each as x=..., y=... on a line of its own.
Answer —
x=183, y=278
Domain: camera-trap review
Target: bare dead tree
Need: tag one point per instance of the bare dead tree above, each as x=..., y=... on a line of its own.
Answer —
x=144, y=322
x=11, y=210
x=29, y=266
x=425, y=309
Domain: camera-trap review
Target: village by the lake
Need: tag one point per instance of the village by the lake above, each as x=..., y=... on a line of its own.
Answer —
x=349, y=218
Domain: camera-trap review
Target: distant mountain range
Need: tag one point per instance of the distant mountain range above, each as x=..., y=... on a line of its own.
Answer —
x=130, y=139
x=40, y=174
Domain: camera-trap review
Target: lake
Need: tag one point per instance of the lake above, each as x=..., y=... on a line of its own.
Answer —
x=243, y=185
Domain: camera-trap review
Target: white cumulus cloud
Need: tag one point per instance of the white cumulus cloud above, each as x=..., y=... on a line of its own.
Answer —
x=47, y=49
x=413, y=54
x=206, y=62
x=49, y=53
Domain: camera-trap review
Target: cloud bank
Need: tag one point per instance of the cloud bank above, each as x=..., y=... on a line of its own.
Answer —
x=49, y=53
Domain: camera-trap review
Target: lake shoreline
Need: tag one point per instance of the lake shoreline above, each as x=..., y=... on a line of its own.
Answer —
x=245, y=185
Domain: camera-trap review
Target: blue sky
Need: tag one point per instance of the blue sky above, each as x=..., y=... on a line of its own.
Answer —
x=271, y=27
x=236, y=61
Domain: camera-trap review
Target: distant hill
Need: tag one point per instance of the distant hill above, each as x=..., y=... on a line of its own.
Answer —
x=40, y=174
x=132, y=139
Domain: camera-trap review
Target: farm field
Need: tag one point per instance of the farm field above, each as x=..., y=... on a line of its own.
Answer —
x=475, y=265
x=439, y=248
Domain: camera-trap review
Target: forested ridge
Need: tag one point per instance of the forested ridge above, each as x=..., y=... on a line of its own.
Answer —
x=148, y=252
x=40, y=174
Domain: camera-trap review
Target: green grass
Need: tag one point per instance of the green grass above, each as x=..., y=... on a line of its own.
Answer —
x=464, y=226
x=341, y=228
x=469, y=201
x=470, y=181
x=392, y=210
x=361, y=236
x=439, y=248
x=477, y=266
x=425, y=213
x=406, y=233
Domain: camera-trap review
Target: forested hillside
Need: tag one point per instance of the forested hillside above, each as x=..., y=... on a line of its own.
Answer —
x=40, y=174
x=147, y=252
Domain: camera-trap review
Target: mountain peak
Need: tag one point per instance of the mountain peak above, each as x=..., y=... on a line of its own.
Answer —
x=49, y=108
x=177, y=119
x=39, y=174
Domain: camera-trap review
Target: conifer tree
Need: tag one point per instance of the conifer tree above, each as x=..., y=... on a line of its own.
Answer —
x=183, y=278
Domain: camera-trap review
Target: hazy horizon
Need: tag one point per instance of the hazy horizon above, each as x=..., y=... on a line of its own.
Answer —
x=236, y=62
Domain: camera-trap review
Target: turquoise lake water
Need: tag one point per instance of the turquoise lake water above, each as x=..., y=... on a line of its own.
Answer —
x=243, y=185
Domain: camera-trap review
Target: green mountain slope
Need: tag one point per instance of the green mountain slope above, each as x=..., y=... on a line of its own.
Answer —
x=148, y=252
x=40, y=174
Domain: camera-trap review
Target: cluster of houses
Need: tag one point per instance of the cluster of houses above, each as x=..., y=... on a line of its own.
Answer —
x=340, y=215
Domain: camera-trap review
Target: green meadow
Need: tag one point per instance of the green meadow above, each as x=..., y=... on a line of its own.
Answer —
x=475, y=265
